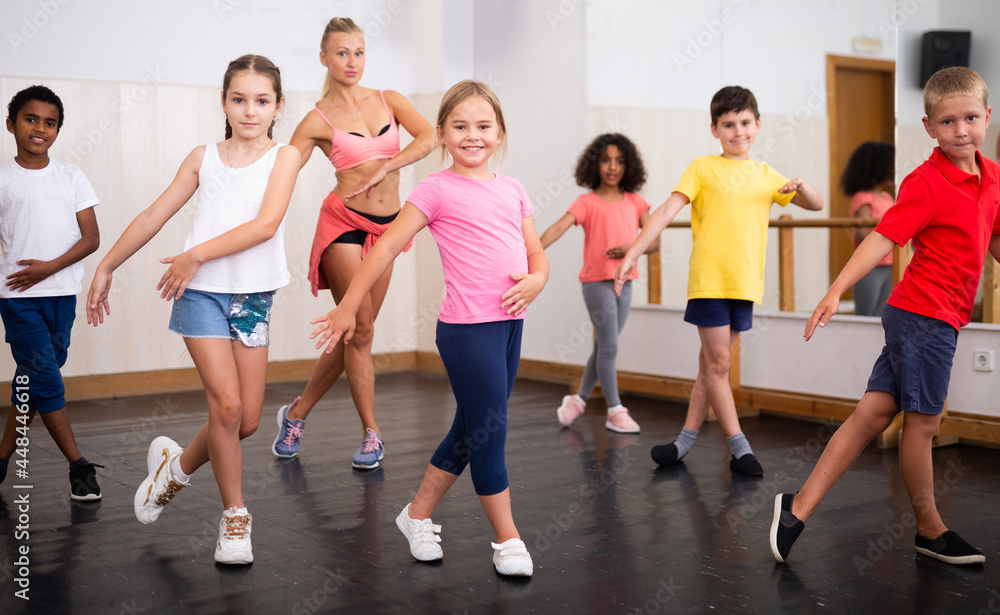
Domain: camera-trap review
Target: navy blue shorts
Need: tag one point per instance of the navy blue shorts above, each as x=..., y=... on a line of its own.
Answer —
x=737, y=314
x=915, y=364
x=38, y=330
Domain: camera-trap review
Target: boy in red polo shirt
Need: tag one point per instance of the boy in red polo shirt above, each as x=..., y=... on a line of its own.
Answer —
x=949, y=207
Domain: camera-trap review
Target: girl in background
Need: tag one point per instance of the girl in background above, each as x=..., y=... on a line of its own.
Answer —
x=222, y=287
x=868, y=179
x=494, y=267
x=611, y=216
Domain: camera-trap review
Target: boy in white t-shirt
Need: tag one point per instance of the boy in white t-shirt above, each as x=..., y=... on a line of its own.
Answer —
x=47, y=226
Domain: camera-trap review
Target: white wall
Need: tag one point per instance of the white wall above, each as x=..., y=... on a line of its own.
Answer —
x=132, y=117
x=190, y=42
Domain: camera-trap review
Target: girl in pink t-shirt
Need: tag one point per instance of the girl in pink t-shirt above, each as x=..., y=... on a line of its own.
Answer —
x=611, y=217
x=868, y=179
x=494, y=266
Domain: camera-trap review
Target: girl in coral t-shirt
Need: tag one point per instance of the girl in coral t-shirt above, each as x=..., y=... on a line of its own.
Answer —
x=611, y=217
x=868, y=180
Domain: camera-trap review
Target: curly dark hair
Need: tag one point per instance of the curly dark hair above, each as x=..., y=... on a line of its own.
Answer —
x=733, y=99
x=587, y=167
x=35, y=92
x=870, y=166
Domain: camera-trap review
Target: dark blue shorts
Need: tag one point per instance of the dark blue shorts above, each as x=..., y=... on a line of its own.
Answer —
x=737, y=314
x=38, y=330
x=915, y=364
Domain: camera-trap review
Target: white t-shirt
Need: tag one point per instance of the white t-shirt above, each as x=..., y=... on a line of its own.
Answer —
x=227, y=198
x=38, y=221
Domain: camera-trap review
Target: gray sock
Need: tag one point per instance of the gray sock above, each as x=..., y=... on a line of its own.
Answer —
x=685, y=441
x=738, y=445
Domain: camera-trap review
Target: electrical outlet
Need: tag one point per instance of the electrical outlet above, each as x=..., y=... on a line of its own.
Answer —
x=982, y=360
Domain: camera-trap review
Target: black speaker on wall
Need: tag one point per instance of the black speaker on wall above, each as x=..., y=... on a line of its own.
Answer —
x=943, y=49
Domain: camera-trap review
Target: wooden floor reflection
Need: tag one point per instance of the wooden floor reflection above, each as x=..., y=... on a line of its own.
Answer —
x=608, y=531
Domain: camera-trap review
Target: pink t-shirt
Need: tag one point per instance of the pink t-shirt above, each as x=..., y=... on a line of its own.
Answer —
x=477, y=226
x=606, y=225
x=880, y=203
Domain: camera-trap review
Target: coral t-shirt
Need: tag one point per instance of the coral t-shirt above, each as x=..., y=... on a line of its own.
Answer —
x=880, y=202
x=951, y=216
x=606, y=225
x=477, y=226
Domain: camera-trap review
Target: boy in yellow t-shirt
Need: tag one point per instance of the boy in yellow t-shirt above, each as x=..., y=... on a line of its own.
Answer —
x=731, y=197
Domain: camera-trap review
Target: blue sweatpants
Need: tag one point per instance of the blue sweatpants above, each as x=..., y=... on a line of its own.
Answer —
x=481, y=360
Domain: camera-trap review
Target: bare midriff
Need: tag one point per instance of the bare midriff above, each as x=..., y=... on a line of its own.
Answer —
x=384, y=200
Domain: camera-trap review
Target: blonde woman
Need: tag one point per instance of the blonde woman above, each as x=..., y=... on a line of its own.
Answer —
x=357, y=129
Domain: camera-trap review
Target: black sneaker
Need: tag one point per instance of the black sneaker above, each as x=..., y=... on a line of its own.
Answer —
x=83, y=483
x=747, y=464
x=3, y=469
x=664, y=454
x=785, y=527
x=949, y=547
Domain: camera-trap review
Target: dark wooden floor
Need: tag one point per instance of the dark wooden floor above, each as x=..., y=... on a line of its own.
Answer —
x=608, y=531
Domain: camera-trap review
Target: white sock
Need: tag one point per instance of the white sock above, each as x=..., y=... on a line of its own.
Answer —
x=613, y=409
x=232, y=512
x=175, y=469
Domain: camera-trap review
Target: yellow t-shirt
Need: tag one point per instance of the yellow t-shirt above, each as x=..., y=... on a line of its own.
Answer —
x=730, y=206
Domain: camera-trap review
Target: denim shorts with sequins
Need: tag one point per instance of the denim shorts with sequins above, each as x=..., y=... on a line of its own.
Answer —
x=238, y=317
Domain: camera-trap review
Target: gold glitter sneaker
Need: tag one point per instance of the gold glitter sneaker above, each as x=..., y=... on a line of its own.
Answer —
x=160, y=486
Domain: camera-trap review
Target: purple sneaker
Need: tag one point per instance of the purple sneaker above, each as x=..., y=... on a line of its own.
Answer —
x=286, y=445
x=370, y=453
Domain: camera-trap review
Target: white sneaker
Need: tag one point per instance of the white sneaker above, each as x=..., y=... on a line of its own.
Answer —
x=422, y=536
x=160, y=486
x=511, y=558
x=234, y=538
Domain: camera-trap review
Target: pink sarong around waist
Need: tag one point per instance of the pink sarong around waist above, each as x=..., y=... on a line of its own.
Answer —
x=335, y=219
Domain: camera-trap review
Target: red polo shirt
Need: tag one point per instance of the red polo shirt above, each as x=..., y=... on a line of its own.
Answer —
x=951, y=216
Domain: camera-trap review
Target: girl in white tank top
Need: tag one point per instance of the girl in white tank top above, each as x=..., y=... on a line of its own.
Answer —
x=221, y=286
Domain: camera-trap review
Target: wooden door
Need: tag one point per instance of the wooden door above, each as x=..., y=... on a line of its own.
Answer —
x=861, y=107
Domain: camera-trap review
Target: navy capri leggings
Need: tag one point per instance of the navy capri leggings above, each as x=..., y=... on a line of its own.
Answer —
x=481, y=360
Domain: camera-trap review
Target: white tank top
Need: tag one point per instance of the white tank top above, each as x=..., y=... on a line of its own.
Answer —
x=227, y=198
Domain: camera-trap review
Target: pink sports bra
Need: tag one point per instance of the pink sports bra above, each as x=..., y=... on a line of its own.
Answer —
x=350, y=149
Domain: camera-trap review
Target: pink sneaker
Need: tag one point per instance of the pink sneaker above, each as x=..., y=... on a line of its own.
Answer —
x=620, y=421
x=570, y=410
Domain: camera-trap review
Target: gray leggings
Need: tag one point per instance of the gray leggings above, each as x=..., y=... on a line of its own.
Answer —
x=608, y=314
x=872, y=291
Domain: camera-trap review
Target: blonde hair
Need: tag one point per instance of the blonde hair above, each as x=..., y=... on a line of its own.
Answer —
x=342, y=25
x=467, y=89
x=955, y=81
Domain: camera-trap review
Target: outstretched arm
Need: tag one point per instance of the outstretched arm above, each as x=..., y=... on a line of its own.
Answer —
x=805, y=197
x=35, y=270
x=184, y=266
x=422, y=144
x=140, y=231
x=527, y=285
x=340, y=321
x=557, y=229
x=871, y=251
x=658, y=221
